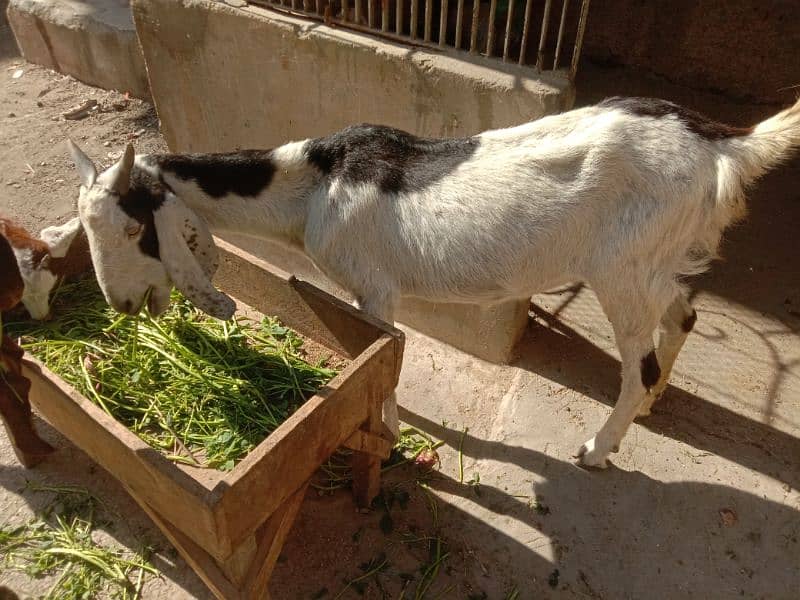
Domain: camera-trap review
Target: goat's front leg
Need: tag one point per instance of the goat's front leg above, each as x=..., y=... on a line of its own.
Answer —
x=381, y=305
x=640, y=372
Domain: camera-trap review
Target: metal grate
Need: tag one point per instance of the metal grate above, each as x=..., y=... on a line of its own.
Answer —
x=501, y=29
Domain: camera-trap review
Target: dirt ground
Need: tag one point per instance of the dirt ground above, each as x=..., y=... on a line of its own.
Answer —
x=701, y=502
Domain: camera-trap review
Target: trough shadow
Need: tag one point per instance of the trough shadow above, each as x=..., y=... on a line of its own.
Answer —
x=119, y=516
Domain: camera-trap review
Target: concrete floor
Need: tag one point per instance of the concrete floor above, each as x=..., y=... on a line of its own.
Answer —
x=702, y=500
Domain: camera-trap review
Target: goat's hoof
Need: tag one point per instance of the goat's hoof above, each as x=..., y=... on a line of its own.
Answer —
x=590, y=456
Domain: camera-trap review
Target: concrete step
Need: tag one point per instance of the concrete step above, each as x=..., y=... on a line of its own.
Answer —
x=92, y=40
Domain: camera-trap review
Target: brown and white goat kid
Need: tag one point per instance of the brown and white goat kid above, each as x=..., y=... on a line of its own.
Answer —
x=628, y=195
x=59, y=251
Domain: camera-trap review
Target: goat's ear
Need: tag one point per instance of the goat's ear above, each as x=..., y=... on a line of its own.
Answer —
x=60, y=237
x=192, y=279
x=200, y=242
x=120, y=174
x=84, y=164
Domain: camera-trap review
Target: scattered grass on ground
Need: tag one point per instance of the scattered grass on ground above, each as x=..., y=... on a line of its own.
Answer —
x=59, y=542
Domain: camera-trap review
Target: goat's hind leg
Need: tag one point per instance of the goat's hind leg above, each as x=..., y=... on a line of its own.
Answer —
x=634, y=324
x=676, y=323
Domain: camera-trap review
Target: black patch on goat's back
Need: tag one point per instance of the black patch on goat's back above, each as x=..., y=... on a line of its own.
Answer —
x=651, y=370
x=694, y=121
x=245, y=173
x=145, y=195
x=688, y=322
x=392, y=159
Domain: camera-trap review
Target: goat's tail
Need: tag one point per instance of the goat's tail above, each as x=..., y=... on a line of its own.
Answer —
x=768, y=143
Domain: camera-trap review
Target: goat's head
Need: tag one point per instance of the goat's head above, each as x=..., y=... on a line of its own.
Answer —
x=143, y=238
x=35, y=258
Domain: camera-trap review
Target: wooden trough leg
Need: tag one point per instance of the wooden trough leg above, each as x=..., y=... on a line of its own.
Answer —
x=245, y=575
x=370, y=445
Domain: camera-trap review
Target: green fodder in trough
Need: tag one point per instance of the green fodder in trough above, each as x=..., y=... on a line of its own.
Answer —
x=202, y=391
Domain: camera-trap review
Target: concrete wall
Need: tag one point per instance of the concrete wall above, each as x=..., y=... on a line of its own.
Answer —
x=92, y=40
x=743, y=48
x=225, y=78
x=8, y=45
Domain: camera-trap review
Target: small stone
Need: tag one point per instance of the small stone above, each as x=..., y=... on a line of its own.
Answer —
x=11, y=114
x=728, y=516
x=236, y=3
x=107, y=144
x=59, y=181
x=39, y=103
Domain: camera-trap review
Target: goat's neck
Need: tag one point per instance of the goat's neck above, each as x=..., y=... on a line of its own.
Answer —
x=277, y=212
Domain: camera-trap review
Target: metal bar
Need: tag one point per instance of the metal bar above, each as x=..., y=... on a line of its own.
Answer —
x=355, y=26
x=428, y=18
x=319, y=7
x=473, y=38
x=345, y=10
x=371, y=13
x=398, y=17
x=294, y=4
x=358, y=15
x=560, y=34
x=414, y=17
x=509, y=24
x=459, y=23
x=443, y=23
x=384, y=15
x=525, y=27
x=543, y=38
x=576, y=54
x=490, y=37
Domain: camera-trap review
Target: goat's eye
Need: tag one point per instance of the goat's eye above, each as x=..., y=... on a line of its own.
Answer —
x=133, y=229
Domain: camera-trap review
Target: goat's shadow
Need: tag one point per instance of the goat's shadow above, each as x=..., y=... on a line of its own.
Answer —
x=555, y=351
x=623, y=534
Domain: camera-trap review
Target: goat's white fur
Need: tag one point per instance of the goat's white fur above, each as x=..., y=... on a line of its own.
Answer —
x=623, y=202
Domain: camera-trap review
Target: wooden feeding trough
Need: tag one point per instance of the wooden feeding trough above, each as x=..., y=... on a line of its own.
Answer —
x=230, y=527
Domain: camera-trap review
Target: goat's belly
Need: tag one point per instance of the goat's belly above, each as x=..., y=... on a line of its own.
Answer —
x=471, y=290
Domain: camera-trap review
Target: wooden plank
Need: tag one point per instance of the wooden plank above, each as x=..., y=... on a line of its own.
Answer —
x=237, y=565
x=201, y=561
x=288, y=458
x=303, y=307
x=367, y=466
x=272, y=535
x=169, y=490
x=369, y=443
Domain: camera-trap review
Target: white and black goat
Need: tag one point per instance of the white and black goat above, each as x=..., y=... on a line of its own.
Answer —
x=60, y=251
x=628, y=195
